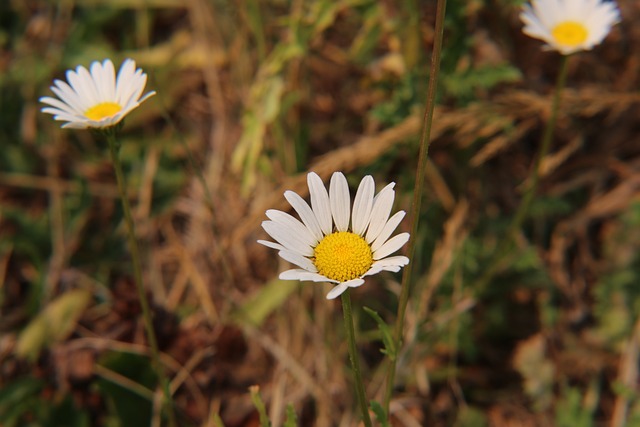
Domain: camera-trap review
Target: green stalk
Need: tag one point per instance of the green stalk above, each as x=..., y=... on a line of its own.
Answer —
x=353, y=356
x=525, y=204
x=425, y=140
x=114, y=148
x=255, y=23
x=504, y=247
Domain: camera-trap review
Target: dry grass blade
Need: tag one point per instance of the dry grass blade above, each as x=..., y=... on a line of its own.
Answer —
x=610, y=203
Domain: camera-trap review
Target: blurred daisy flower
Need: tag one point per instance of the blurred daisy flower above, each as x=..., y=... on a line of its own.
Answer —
x=570, y=26
x=335, y=243
x=97, y=99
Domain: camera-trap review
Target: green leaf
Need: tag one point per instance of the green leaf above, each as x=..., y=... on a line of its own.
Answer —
x=67, y=414
x=124, y=402
x=462, y=84
x=217, y=421
x=259, y=404
x=365, y=41
x=387, y=335
x=53, y=324
x=378, y=410
x=269, y=298
x=471, y=417
x=292, y=419
x=17, y=398
x=571, y=410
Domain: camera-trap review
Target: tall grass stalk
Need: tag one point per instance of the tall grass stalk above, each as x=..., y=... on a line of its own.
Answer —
x=353, y=356
x=114, y=148
x=425, y=140
x=504, y=246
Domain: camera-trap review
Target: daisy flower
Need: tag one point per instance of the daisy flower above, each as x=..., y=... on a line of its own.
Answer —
x=97, y=99
x=335, y=243
x=569, y=26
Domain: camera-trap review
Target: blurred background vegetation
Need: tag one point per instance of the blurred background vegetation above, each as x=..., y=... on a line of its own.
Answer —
x=252, y=95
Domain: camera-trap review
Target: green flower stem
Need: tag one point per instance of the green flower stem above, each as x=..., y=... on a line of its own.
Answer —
x=425, y=140
x=504, y=246
x=353, y=356
x=547, y=136
x=114, y=148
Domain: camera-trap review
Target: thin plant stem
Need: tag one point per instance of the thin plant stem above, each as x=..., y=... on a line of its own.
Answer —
x=255, y=22
x=547, y=136
x=114, y=148
x=504, y=246
x=353, y=356
x=425, y=140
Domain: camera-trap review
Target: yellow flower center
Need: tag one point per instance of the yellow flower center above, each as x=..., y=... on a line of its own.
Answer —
x=102, y=110
x=570, y=33
x=343, y=256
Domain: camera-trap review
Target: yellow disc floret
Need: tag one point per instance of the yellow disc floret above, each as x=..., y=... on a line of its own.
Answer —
x=343, y=256
x=570, y=33
x=102, y=110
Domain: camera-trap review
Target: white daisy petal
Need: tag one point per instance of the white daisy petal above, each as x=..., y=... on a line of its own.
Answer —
x=140, y=83
x=295, y=274
x=56, y=112
x=294, y=226
x=144, y=98
x=286, y=238
x=392, y=261
x=362, y=205
x=129, y=90
x=575, y=9
x=272, y=245
x=387, y=230
x=320, y=202
x=128, y=82
x=69, y=96
x=304, y=276
x=375, y=269
x=340, y=201
x=380, y=212
x=94, y=97
x=393, y=264
x=299, y=260
x=75, y=125
x=337, y=291
x=355, y=283
x=86, y=86
x=98, y=78
x=392, y=245
x=75, y=85
x=59, y=105
x=63, y=117
x=125, y=75
x=306, y=214
x=109, y=74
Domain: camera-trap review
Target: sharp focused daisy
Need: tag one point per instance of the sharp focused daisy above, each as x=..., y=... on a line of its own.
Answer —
x=97, y=98
x=335, y=243
x=569, y=26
